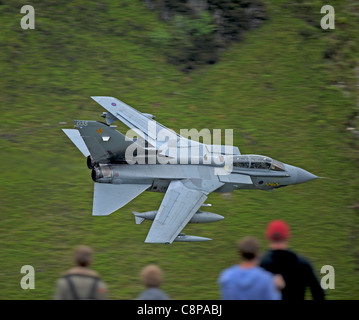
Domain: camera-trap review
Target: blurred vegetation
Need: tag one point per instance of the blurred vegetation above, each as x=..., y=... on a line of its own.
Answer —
x=188, y=43
x=288, y=89
x=197, y=31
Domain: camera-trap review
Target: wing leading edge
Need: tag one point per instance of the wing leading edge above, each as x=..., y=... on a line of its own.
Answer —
x=157, y=135
x=152, y=131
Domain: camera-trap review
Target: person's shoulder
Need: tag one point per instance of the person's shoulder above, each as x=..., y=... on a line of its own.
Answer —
x=303, y=259
x=81, y=271
x=228, y=272
x=300, y=260
x=263, y=273
x=266, y=257
x=153, y=294
x=160, y=294
x=304, y=262
x=231, y=269
x=60, y=282
x=279, y=255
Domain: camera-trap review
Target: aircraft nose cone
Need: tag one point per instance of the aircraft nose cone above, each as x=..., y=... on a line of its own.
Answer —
x=304, y=176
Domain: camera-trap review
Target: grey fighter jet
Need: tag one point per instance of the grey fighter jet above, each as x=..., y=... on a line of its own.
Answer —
x=157, y=159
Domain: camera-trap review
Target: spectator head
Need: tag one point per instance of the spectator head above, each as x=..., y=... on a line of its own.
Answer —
x=278, y=231
x=248, y=248
x=151, y=276
x=83, y=256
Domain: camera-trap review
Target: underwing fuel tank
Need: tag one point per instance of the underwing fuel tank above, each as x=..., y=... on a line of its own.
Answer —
x=184, y=238
x=199, y=217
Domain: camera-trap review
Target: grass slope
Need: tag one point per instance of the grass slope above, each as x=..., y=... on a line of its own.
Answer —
x=273, y=89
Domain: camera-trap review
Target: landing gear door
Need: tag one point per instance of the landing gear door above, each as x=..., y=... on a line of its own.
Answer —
x=160, y=185
x=235, y=178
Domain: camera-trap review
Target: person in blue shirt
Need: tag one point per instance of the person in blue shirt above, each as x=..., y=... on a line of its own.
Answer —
x=248, y=281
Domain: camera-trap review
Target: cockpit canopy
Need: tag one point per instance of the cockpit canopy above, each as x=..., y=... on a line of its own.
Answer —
x=257, y=162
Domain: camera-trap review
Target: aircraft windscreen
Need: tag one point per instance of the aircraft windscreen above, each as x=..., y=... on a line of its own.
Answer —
x=277, y=166
x=259, y=162
x=254, y=162
x=241, y=162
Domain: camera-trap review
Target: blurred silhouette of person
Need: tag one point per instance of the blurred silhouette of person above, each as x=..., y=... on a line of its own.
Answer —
x=296, y=270
x=80, y=282
x=152, y=278
x=248, y=281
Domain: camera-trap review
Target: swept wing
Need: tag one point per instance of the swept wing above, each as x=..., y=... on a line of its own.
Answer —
x=152, y=131
x=178, y=206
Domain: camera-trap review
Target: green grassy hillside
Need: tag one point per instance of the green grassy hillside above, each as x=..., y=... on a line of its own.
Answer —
x=276, y=89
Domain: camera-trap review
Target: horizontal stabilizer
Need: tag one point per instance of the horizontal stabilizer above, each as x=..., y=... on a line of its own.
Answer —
x=75, y=137
x=110, y=197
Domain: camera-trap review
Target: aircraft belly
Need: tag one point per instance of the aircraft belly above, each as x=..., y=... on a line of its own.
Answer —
x=133, y=172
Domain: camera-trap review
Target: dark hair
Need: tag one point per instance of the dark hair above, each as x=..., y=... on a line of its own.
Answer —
x=83, y=256
x=248, y=248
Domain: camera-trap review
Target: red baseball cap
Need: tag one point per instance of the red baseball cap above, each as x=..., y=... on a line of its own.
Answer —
x=277, y=230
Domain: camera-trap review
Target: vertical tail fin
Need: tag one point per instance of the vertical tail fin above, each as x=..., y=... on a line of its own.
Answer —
x=103, y=142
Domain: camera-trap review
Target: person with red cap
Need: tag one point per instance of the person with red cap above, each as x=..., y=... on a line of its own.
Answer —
x=295, y=269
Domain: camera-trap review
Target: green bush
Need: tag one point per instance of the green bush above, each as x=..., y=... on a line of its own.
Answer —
x=196, y=34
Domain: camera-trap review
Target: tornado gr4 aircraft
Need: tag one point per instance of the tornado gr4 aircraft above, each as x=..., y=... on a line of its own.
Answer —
x=157, y=159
